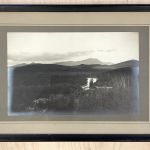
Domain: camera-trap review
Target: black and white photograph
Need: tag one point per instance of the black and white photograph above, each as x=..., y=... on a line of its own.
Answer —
x=73, y=73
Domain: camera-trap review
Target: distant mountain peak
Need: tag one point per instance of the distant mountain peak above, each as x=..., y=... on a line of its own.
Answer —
x=128, y=63
x=132, y=62
x=88, y=61
x=92, y=61
x=19, y=65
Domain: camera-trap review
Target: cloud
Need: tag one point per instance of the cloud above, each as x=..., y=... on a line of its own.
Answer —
x=52, y=57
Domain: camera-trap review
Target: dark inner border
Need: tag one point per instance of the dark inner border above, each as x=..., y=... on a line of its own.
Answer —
x=75, y=137
x=76, y=8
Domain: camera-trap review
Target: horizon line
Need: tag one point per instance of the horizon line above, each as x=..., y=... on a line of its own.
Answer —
x=71, y=61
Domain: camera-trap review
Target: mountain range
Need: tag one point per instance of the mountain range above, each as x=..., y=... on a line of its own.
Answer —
x=90, y=62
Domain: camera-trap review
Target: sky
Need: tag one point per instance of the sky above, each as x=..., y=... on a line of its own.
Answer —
x=51, y=47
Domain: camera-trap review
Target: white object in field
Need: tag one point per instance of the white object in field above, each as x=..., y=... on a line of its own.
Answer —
x=89, y=80
x=94, y=80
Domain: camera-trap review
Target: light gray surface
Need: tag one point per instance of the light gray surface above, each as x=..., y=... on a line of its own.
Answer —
x=142, y=115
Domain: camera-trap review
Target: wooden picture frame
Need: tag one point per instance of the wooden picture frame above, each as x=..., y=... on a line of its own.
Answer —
x=125, y=78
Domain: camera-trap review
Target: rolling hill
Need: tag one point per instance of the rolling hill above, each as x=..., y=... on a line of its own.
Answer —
x=58, y=88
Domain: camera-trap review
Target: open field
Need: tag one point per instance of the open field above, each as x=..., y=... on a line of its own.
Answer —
x=75, y=89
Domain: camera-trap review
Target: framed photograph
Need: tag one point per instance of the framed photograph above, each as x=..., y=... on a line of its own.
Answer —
x=74, y=73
